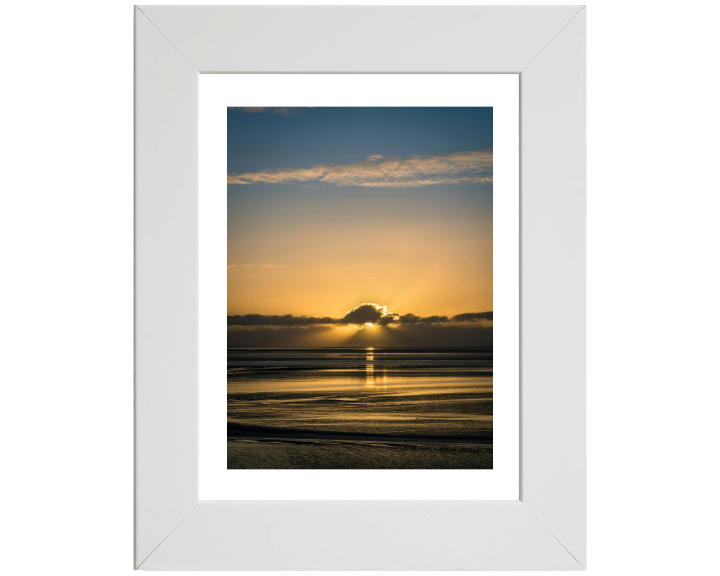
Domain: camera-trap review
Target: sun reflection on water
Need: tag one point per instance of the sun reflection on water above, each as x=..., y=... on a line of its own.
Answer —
x=370, y=368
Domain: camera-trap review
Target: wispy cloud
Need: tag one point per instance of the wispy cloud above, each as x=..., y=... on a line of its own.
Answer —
x=231, y=266
x=471, y=167
x=283, y=111
x=361, y=315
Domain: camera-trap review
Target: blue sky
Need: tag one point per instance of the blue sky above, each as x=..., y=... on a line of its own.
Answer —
x=307, y=136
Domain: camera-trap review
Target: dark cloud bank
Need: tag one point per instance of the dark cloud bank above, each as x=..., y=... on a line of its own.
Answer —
x=389, y=329
x=363, y=314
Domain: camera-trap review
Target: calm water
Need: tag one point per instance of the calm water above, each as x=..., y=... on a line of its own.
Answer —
x=360, y=408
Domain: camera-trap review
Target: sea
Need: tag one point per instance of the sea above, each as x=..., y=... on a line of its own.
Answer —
x=360, y=408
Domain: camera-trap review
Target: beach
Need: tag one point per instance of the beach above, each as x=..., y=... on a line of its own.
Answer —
x=360, y=408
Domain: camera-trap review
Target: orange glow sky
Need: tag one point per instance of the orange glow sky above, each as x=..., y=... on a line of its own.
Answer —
x=329, y=208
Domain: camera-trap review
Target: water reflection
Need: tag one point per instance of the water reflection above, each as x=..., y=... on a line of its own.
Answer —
x=370, y=368
x=376, y=369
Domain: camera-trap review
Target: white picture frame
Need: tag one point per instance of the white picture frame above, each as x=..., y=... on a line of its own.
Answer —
x=545, y=529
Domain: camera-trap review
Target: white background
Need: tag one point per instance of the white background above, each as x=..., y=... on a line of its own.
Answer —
x=217, y=92
x=66, y=225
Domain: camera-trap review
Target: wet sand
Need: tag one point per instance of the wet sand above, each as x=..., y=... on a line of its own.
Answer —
x=383, y=413
x=423, y=425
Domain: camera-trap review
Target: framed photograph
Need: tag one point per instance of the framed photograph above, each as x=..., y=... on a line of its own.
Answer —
x=404, y=202
x=385, y=208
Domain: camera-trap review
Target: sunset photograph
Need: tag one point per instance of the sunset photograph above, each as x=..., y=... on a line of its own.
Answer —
x=360, y=288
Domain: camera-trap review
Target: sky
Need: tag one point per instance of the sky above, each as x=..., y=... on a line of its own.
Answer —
x=359, y=226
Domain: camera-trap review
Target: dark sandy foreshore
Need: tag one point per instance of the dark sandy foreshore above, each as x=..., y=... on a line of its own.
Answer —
x=250, y=447
x=253, y=454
